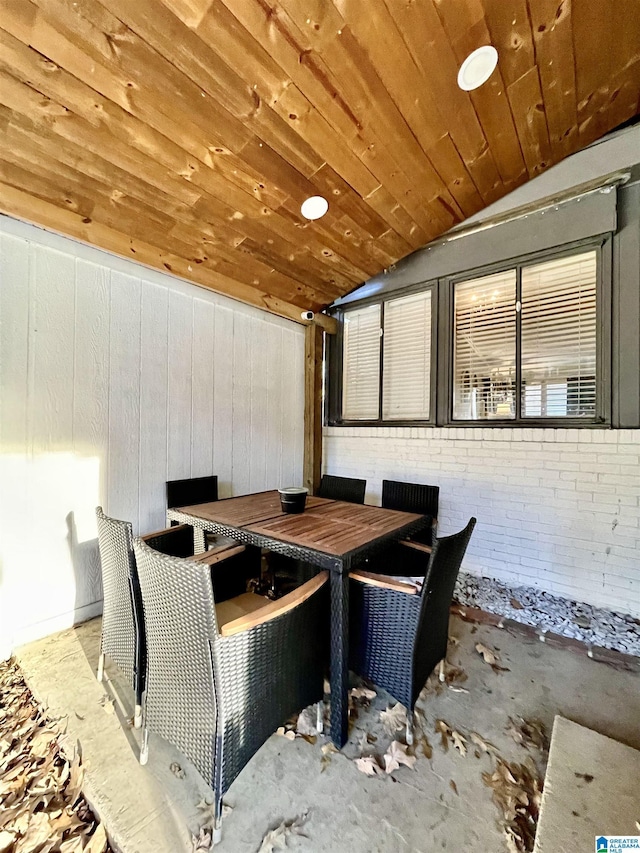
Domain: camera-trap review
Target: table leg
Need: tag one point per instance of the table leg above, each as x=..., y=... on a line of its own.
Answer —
x=199, y=541
x=339, y=656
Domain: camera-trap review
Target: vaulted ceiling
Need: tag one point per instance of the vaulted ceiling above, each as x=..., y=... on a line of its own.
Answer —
x=187, y=133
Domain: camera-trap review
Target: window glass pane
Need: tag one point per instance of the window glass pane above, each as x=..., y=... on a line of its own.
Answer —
x=559, y=338
x=407, y=357
x=484, y=367
x=361, y=363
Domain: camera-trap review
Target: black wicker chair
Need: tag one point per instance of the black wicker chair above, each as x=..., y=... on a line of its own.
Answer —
x=219, y=684
x=342, y=489
x=123, y=634
x=398, y=630
x=191, y=492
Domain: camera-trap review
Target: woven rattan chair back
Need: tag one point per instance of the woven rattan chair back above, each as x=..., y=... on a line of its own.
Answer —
x=122, y=619
x=342, y=489
x=437, y=592
x=181, y=630
x=197, y=490
x=410, y=497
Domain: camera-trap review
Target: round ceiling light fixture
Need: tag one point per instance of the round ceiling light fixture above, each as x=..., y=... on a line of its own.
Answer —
x=477, y=67
x=314, y=207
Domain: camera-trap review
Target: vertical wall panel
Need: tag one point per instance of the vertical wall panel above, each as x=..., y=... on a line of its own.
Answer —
x=124, y=399
x=179, y=424
x=223, y=396
x=112, y=379
x=202, y=400
x=241, y=429
x=275, y=405
x=153, y=405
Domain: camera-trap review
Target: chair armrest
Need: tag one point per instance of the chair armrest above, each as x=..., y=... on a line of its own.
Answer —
x=275, y=608
x=384, y=581
x=216, y=555
x=417, y=546
x=168, y=531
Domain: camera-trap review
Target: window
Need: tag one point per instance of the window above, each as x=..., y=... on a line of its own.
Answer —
x=387, y=360
x=525, y=342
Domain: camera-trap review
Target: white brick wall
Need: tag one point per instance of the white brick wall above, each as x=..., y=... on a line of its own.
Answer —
x=557, y=509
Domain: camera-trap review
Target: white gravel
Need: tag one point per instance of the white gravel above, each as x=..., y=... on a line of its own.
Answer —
x=593, y=626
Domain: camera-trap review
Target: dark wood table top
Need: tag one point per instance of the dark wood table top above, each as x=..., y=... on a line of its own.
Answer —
x=246, y=509
x=332, y=527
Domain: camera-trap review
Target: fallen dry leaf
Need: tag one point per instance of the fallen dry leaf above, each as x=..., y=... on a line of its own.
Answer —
x=394, y=719
x=177, y=771
x=484, y=745
x=362, y=693
x=289, y=734
x=489, y=656
x=517, y=792
x=41, y=804
x=397, y=755
x=108, y=704
x=202, y=841
x=368, y=764
x=98, y=841
x=516, y=604
x=328, y=749
x=276, y=839
x=460, y=742
x=528, y=733
x=444, y=731
x=453, y=787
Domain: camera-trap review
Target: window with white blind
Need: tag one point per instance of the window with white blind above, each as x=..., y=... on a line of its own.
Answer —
x=406, y=386
x=361, y=364
x=525, y=343
x=395, y=334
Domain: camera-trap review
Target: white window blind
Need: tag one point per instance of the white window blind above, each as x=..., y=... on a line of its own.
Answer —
x=484, y=367
x=361, y=363
x=559, y=337
x=407, y=357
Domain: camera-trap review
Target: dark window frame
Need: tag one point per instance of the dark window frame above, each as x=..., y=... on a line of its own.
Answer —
x=442, y=345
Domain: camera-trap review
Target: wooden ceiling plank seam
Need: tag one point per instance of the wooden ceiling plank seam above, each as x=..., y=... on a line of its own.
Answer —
x=593, y=48
x=492, y=106
x=613, y=108
x=255, y=18
x=382, y=201
x=527, y=107
x=553, y=39
x=378, y=35
x=432, y=53
x=231, y=173
x=190, y=12
x=102, y=146
x=511, y=34
x=206, y=177
x=99, y=207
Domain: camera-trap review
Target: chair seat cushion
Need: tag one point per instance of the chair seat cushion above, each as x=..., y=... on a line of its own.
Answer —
x=241, y=605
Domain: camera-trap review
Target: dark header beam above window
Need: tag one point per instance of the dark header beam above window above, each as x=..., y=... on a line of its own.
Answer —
x=567, y=222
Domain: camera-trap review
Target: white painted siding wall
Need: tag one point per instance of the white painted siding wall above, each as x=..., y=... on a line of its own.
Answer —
x=557, y=509
x=113, y=379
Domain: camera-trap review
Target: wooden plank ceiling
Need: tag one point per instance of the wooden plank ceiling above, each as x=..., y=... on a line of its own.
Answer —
x=186, y=133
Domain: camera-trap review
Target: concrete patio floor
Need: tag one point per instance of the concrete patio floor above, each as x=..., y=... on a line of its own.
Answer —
x=154, y=808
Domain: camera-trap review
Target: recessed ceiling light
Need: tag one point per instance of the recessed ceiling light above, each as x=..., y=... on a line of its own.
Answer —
x=314, y=207
x=477, y=67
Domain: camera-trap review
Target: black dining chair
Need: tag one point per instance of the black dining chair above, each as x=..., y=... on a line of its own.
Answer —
x=342, y=488
x=399, y=628
x=221, y=679
x=191, y=492
x=413, y=497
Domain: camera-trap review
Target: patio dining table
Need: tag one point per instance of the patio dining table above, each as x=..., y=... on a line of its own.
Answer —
x=330, y=534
